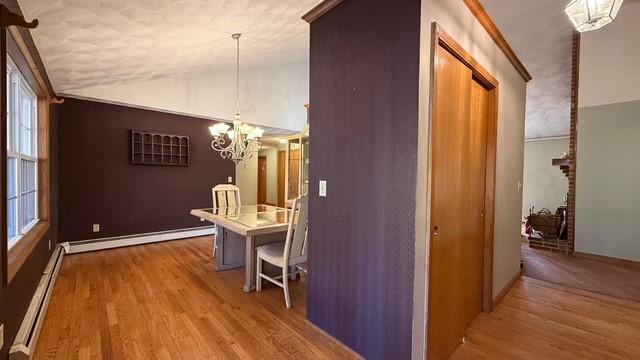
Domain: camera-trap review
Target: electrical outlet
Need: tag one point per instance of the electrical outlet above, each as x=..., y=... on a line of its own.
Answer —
x=96, y=227
x=323, y=188
x=230, y=179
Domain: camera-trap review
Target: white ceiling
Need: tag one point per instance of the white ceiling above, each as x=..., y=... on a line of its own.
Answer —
x=540, y=34
x=94, y=42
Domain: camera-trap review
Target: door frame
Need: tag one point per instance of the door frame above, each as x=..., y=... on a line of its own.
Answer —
x=442, y=38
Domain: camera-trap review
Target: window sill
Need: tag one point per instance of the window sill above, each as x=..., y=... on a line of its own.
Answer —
x=20, y=252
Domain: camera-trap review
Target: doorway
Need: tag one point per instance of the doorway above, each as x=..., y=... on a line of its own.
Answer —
x=262, y=180
x=282, y=163
x=462, y=173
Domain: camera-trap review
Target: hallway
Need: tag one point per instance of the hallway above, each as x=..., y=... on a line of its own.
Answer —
x=617, y=278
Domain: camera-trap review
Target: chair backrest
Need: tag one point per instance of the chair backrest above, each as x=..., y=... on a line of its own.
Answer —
x=296, y=241
x=225, y=195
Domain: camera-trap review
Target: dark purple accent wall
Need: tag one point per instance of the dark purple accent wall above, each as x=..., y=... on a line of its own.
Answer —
x=364, y=120
x=98, y=185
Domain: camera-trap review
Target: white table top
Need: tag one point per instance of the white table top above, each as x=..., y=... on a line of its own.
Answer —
x=247, y=220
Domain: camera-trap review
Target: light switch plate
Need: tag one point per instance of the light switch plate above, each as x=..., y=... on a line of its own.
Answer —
x=96, y=227
x=323, y=188
x=230, y=179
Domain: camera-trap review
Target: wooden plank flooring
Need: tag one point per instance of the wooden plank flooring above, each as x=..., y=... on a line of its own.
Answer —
x=618, y=279
x=542, y=320
x=165, y=301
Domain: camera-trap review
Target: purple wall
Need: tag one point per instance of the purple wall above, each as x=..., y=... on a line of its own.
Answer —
x=364, y=136
x=99, y=185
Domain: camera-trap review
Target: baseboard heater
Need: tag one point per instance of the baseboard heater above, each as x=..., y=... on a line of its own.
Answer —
x=25, y=342
x=137, y=239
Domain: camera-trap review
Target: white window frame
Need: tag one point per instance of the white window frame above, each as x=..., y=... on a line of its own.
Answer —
x=16, y=81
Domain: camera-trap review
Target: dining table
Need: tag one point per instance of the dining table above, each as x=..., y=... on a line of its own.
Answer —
x=240, y=230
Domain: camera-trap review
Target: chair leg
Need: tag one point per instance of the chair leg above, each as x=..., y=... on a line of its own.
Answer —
x=285, y=283
x=258, y=272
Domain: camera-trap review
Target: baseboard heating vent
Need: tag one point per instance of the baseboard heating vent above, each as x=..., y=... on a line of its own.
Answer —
x=25, y=342
x=135, y=239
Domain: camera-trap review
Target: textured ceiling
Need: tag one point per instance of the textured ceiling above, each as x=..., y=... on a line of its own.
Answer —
x=93, y=42
x=540, y=34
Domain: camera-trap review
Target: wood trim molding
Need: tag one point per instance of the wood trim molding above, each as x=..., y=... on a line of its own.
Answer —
x=445, y=40
x=320, y=10
x=7, y=18
x=3, y=155
x=24, y=51
x=40, y=78
x=20, y=252
x=507, y=288
x=487, y=23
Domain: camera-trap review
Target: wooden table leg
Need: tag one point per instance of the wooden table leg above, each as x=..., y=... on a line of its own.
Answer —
x=250, y=265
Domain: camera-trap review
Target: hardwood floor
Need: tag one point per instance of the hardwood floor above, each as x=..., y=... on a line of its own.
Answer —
x=542, y=320
x=618, y=279
x=165, y=301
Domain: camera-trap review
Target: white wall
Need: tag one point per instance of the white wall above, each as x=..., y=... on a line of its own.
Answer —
x=456, y=19
x=545, y=185
x=270, y=96
x=609, y=70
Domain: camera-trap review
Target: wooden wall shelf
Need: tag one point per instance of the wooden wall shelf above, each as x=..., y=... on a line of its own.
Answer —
x=149, y=148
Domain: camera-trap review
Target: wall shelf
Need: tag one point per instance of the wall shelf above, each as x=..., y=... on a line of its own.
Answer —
x=149, y=148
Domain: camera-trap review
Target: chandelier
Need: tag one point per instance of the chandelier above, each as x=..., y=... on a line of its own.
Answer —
x=587, y=15
x=243, y=139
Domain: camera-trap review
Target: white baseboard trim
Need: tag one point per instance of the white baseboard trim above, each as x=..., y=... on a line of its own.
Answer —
x=27, y=338
x=137, y=239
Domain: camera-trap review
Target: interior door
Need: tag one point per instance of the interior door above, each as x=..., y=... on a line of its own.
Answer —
x=262, y=180
x=459, y=143
x=282, y=163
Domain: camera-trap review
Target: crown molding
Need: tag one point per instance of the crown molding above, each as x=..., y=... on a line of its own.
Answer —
x=320, y=10
x=487, y=23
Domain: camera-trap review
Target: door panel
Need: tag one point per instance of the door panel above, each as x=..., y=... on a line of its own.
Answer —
x=457, y=204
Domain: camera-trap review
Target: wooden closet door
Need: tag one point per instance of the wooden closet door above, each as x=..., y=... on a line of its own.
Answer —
x=457, y=204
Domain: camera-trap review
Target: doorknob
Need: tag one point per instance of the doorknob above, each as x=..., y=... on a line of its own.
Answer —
x=435, y=230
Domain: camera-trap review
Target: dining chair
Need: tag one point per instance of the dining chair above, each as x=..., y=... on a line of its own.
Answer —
x=291, y=253
x=224, y=195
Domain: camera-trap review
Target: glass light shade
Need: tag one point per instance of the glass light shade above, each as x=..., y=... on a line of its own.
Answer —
x=246, y=129
x=231, y=134
x=588, y=15
x=256, y=133
x=218, y=129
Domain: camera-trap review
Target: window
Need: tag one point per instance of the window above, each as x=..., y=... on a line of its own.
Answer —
x=22, y=155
